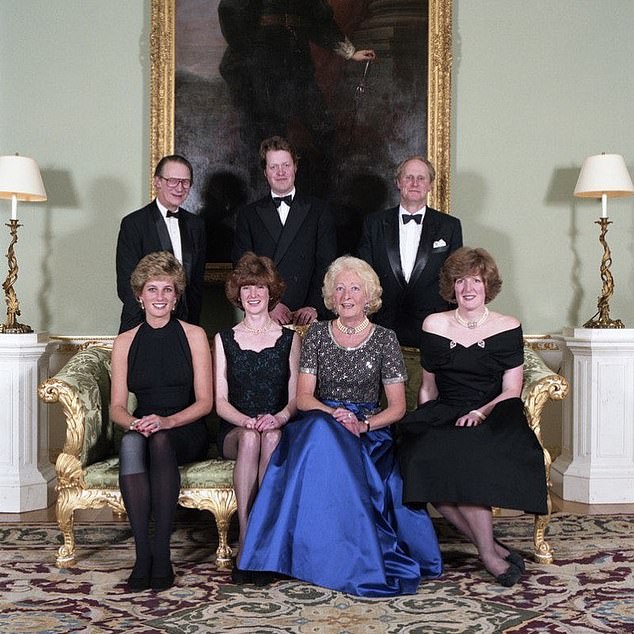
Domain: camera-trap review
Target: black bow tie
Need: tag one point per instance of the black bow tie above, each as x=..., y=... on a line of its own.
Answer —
x=172, y=214
x=278, y=200
x=417, y=218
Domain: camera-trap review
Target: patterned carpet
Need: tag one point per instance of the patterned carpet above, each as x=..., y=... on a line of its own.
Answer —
x=589, y=588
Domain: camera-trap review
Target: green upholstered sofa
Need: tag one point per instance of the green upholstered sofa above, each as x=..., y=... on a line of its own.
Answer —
x=87, y=467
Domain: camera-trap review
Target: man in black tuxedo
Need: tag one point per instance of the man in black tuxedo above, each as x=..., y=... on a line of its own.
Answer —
x=406, y=246
x=163, y=226
x=296, y=231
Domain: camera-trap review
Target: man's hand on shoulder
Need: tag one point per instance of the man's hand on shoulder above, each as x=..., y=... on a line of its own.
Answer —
x=281, y=314
x=304, y=316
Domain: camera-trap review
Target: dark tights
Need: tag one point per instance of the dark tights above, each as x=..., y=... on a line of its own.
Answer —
x=150, y=482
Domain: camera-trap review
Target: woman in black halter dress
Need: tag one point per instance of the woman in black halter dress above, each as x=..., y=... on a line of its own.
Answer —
x=468, y=446
x=166, y=364
x=256, y=365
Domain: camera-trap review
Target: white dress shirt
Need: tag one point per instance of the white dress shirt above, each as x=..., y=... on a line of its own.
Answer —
x=283, y=209
x=408, y=240
x=173, y=230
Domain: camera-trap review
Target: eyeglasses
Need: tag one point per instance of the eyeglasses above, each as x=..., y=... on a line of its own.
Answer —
x=175, y=182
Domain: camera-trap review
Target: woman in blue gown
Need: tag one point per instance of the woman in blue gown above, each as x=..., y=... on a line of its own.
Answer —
x=329, y=509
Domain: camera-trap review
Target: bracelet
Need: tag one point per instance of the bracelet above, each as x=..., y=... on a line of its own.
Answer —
x=478, y=413
x=134, y=423
x=367, y=425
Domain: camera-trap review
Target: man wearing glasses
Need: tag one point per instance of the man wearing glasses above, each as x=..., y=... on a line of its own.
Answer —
x=406, y=246
x=164, y=226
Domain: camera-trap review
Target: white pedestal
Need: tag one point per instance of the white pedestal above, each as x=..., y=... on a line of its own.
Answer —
x=596, y=465
x=27, y=477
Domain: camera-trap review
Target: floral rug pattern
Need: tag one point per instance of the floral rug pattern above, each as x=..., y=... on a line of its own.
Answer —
x=588, y=589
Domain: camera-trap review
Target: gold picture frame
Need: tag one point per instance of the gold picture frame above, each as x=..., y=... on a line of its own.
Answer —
x=162, y=77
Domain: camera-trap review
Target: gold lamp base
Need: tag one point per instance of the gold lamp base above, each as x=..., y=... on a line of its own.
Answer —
x=601, y=319
x=12, y=326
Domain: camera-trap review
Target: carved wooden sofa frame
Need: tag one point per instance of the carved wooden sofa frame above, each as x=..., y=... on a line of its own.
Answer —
x=87, y=467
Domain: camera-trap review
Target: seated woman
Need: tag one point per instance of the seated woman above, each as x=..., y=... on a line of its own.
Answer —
x=329, y=508
x=166, y=363
x=255, y=366
x=468, y=446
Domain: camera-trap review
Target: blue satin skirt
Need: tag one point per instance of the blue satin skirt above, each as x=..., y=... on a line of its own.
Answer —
x=330, y=512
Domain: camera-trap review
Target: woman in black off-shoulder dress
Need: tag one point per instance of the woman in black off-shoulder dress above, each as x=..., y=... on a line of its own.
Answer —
x=468, y=446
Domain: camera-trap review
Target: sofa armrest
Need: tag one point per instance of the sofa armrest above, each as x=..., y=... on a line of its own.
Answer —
x=541, y=384
x=82, y=387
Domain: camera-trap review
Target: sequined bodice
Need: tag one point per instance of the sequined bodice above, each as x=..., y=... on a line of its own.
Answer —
x=352, y=374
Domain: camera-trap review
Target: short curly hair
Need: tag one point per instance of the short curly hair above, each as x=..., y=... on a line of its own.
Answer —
x=469, y=261
x=158, y=265
x=367, y=275
x=254, y=269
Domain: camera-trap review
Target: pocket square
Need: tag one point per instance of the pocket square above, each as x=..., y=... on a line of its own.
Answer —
x=438, y=244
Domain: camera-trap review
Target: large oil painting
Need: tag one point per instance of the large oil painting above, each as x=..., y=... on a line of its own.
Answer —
x=221, y=83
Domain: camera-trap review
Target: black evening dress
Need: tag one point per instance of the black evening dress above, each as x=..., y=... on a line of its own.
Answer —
x=497, y=463
x=161, y=375
x=257, y=381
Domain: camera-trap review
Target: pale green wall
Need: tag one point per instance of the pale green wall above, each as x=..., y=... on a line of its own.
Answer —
x=538, y=85
x=74, y=95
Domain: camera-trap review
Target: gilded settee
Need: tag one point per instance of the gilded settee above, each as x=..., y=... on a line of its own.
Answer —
x=541, y=384
x=88, y=466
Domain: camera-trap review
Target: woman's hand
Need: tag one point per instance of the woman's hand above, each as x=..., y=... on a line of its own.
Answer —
x=267, y=421
x=151, y=423
x=348, y=419
x=471, y=419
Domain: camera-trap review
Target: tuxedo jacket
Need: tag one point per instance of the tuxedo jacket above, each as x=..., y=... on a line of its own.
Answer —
x=406, y=304
x=144, y=231
x=302, y=248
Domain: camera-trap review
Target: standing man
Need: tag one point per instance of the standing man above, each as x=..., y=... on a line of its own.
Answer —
x=406, y=246
x=164, y=226
x=295, y=230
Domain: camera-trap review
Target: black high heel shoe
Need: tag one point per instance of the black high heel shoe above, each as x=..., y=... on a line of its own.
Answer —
x=139, y=578
x=164, y=581
x=513, y=557
x=509, y=578
x=241, y=577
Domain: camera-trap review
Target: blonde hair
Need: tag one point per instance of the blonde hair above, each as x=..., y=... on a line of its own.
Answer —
x=368, y=277
x=158, y=265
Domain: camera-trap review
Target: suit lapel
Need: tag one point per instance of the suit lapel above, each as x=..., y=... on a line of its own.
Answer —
x=427, y=234
x=392, y=244
x=300, y=208
x=186, y=243
x=267, y=213
x=161, y=230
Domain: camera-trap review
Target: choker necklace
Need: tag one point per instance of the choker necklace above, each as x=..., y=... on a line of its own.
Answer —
x=474, y=323
x=257, y=331
x=349, y=330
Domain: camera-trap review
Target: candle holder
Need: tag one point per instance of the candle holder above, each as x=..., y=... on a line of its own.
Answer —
x=12, y=326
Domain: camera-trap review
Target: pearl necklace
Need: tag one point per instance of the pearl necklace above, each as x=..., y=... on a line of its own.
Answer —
x=349, y=330
x=473, y=323
x=258, y=331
